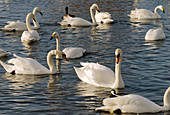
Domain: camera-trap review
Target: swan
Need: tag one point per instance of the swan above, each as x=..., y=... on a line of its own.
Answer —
x=30, y=66
x=146, y=14
x=77, y=21
x=67, y=14
x=21, y=26
x=155, y=34
x=134, y=104
x=103, y=17
x=99, y=75
x=30, y=35
x=70, y=52
x=3, y=53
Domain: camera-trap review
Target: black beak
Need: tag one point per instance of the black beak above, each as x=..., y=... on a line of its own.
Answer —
x=51, y=38
x=41, y=13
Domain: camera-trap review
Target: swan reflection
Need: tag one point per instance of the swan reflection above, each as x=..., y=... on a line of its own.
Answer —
x=23, y=81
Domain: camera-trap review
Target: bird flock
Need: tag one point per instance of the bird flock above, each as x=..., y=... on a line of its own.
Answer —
x=91, y=73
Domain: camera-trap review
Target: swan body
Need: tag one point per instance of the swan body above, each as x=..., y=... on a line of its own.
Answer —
x=77, y=21
x=74, y=52
x=155, y=34
x=30, y=35
x=146, y=14
x=30, y=66
x=134, y=104
x=103, y=17
x=21, y=26
x=3, y=53
x=99, y=75
x=70, y=52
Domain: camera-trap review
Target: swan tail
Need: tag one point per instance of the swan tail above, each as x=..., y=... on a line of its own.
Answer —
x=8, y=68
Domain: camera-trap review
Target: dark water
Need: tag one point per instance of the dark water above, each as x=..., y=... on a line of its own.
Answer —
x=145, y=65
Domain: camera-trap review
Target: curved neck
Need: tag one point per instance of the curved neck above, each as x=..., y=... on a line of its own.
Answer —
x=155, y=11
x=58, y=43
x=28, y=23
x=92, y=17
x=36, y=24
x=118, y=77
x=167, y=98
x=50, y=61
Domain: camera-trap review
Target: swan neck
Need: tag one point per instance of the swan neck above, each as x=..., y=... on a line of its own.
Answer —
x=58, y=43
x=167, y=98
x=50, y=61
x=28, y=23
x=118, y=77
x=92, y=17
x=36, y=24
x=155, y=11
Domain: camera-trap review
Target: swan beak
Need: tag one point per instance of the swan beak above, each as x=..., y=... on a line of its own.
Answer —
x=64, y=56
x=41, y=13
x=117, y=58
x=52, y=37
x=34, y=19
x=163, y=10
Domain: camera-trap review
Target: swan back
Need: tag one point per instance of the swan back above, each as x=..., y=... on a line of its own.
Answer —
x=155, y=34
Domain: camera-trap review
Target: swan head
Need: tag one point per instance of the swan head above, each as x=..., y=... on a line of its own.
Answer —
x=31, y=15
x=112, y=93
x=94, y=7
x=118, y=54
x=55, y=35
x=161, y=8
x=37, y=9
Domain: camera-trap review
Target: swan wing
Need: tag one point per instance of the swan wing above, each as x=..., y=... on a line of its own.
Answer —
x=142, y=14
x=30, y=36
x=155, y=34
x=132, y=104
x=74, y=52
x=96, y=74
x=103, y=17
x=27, y=66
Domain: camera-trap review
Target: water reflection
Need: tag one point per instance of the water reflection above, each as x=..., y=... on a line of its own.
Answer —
x=52, y=80
x=23, y=81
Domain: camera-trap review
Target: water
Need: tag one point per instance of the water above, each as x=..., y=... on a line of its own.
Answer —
x=145, y=65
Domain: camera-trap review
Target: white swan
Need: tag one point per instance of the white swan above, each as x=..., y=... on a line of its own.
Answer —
x=155, y=34
x=103, y=17
x=70, y=52
x=76, y=21
x=3, y=53
x=21, y=26
x=30, y=66
x=99, y=75
x=134, y=104
x=30, y=35
x=146, y=14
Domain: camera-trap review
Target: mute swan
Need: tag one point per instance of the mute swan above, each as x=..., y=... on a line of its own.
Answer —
x=67, y=14
x=3, y=53
x=21, y=26
x=76, y=21
x=99, y=75
x=103, y=17
x=71, y=52
x=134, y=104
x=155, y=34
x=30, y=35
x=30, y=66
x=146, y=14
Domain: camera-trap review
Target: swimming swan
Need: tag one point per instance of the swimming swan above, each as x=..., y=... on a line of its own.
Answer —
x=146, y=14
x=30, y=35
x=30, y=66
x=134, y=104
x=21, y=26
x=103, y=17
x=77, y=21
x=155, y=34
x=99, y=75
x=70, y=52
